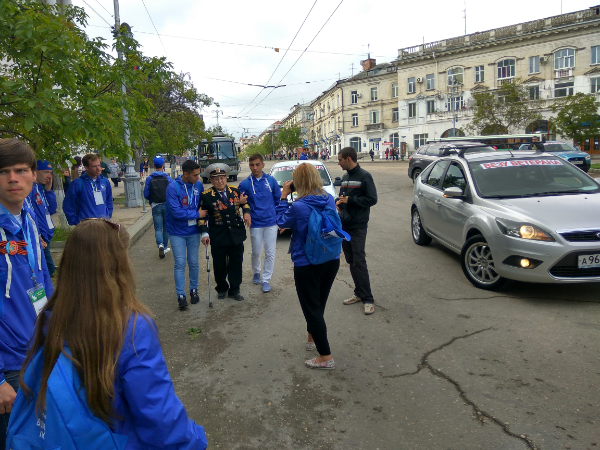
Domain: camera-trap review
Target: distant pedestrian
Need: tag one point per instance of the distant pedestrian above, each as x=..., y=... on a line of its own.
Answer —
x=146, y=166
x=387, y=154
x=90, y=195
x=372, y=155
x=357, y=195
x=77, y=168
x=114, y=172
x=66, y=179
x=303, y=156
x=105, y=169
x=155, y=190
x=263, y=195
x=141, y=169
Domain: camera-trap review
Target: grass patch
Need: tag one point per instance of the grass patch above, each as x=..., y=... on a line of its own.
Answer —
x=193, y=332
x=61, y=234
x=595, y=166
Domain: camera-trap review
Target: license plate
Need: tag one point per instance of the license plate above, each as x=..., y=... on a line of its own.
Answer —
x=588, y=261
x=577, y=162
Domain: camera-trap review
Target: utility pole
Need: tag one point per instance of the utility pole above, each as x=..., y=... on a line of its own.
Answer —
x=133, y=195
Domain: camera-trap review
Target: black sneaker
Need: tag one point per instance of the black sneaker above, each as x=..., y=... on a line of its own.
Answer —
x=237, y=297
x=183, y=304
x=161, y=251
x=221, y=295
x=194, y=296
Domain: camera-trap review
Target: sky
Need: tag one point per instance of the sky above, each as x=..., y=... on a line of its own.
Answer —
x=226, y=46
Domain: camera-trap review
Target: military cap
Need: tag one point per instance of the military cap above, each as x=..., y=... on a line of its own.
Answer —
x=217, y=169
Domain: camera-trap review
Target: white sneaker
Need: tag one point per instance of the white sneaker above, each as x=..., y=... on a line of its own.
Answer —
x=352, y=300
x=167, y=250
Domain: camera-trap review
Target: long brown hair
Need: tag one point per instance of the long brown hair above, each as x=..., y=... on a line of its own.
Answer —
x=89, y=311
x=307, y=180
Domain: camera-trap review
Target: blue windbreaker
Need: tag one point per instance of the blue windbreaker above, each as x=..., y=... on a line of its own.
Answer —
x=41, y=202
x=183, y=201
x=152, y=415
x=17, y=315
x=80, y=203
x=303, y=156
x=263, y=195
x=157, y=173
x=296, y=217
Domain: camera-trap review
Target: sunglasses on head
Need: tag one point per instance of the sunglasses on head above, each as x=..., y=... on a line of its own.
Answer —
x=116, y=226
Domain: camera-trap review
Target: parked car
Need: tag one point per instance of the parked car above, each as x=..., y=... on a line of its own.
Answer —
x=563, y=150
x=282, y=171
x=524, y=215
x=428, y=153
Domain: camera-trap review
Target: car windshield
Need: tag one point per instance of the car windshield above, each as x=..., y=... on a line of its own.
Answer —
x=559, y=147
x=284, y=173
x=529, y=177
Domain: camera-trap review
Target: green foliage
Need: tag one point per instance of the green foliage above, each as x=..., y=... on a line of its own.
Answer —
x=506, y=110
x=266, y=147
x=577, y=116
x=290, y=137
x=193, y=332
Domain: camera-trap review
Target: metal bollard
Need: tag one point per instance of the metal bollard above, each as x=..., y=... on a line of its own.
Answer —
x=144, y=210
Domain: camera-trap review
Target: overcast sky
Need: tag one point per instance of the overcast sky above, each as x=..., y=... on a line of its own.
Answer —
x=226, y=45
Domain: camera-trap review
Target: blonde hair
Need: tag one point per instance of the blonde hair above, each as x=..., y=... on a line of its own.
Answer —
x=307, y=180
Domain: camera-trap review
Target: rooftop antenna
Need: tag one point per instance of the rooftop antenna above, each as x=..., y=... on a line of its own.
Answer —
x=465, y=16
x=352, y=65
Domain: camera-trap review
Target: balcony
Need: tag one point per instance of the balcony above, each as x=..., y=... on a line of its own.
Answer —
x=374, y=126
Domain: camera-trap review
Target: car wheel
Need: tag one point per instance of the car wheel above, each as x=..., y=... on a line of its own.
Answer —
x=204, y=180
x=419, y=235
x=478, y=266
x=416, y=174
x=234, y=177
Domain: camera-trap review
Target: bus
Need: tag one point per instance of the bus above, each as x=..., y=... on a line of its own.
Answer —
x=498, y=141
x=221, y=149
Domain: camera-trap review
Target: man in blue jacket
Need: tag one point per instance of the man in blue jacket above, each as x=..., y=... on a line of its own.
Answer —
x=155, y=190
x=263, y=194
x=25, y=283
x=90, y=195
x=183, y=212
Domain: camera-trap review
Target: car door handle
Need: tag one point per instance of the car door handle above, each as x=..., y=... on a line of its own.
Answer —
x=438, y=202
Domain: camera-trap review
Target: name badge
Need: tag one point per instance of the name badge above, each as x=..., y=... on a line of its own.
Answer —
x=192, y=223
x=98, y=198
x=37, y=296
x=49, y=222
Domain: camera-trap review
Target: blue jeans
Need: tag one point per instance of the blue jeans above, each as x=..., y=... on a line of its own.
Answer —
x=12, y=378
x=179, y=245
x=160, y=230
x=49, y=261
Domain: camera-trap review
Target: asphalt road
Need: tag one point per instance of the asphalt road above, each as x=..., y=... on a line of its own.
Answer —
x=440, y=364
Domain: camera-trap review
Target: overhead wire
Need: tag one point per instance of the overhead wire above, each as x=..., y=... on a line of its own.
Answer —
x=159, y=38
x=102, y=6
x=98, y=14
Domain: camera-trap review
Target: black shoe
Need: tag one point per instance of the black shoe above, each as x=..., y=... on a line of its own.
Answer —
x=237, y=297
x=194, y=296
x=221, y=295
x=183, y=304
x=161, y=251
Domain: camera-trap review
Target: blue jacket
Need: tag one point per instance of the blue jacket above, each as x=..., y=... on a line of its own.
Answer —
x=303, y=156
x=182, y=209
x=80, y=203
x=296, y=217
x=17, y=315
x=41, y=202
x=263, y=195
x=158, y=173
x=153, y=416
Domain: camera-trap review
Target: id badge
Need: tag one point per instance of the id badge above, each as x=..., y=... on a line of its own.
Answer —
x=192, y=223
x=49, y=222
x=37, y=296
x=98, y=197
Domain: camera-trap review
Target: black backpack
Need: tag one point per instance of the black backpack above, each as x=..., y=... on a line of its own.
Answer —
x=158, y=189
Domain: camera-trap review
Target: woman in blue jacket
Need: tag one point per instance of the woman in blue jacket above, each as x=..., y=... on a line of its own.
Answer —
x=113, y=340
x=313, y=282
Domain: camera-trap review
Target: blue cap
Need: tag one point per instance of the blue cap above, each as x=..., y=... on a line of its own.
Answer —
x=159, y=161
x=43, y=165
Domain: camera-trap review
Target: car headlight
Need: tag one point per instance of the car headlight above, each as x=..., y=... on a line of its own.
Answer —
x=588, y=157
x=523, y=230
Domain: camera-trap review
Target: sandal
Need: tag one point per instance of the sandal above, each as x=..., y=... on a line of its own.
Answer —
x=327, y=365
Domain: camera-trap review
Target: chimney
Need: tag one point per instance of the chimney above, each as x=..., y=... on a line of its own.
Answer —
x=368, y=64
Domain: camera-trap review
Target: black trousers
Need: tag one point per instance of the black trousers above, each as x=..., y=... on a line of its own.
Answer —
x=227, y=265
x=313, y=283
x=354, y=252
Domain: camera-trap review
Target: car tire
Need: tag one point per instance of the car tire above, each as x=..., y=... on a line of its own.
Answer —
x=234, y=177
x=419, y=234
x=416, y=174
x=477, y=263
x=204, y=180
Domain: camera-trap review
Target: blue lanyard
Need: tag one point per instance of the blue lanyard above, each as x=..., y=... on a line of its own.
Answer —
x=43, y=195
x=188, y=195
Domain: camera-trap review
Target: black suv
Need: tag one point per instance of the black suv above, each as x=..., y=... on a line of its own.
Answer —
x=428, y=153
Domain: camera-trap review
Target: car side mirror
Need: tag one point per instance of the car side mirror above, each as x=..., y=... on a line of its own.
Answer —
x=337, y=181
x=453, y=192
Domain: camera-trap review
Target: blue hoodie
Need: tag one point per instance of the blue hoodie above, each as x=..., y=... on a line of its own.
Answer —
x=17, y=315
x=80, y=203
x=42, y=202
x=183, y=201
x=263, y=194
x=296, y=217
x=155, y=174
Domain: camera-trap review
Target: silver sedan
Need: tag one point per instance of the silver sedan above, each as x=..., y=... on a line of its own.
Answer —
x=524, y=215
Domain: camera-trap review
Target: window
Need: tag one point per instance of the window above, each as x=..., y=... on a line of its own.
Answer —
x=563, y=89
x=430, y=106
x=455, y=76
x=395, y=115
x=354, y=120
x=374, y=116
x=354, y=97
x=595, y=85
x=595, y=54
x=534, y=92
x=430, y=81
x=394, y=90
x=436, y=174
x=479, y=74
x=534, y=64
x=411, y=85
x=355, y=142
x=373, y=94
x=564, y=59
x=419, y=140
x=412, y=110
x=455, y=103
x=454, y=177
x=506, y=69
x=338, y=101
x=395, y=140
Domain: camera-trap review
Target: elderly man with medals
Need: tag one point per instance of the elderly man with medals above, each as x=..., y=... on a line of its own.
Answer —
x=223, y=228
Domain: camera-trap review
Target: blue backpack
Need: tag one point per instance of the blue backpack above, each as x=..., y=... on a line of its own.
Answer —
x=68, y=423
x=324, y=237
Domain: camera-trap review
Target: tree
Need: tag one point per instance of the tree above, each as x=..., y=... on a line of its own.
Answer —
x=290, y=137
x=506, y=110
x=577, y=116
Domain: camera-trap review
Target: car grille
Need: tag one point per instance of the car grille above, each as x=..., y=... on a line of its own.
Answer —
x=567, y=268
x=576, y=159
x=582, y=236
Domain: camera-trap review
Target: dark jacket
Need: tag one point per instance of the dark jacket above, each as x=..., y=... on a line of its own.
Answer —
x=224, y=223
x=359, y=187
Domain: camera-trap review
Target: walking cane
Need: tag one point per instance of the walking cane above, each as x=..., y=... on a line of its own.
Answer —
x=208, y=273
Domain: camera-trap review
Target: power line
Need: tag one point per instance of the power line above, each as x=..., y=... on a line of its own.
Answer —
x=249, y=84
x=102, y=6
x=159, y=38
x=98, y=14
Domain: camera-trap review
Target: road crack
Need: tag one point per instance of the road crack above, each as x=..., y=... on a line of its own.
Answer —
x=518, y=298
x=479, y=414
